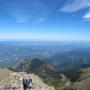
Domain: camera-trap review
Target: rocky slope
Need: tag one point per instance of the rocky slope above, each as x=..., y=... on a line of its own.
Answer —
x=9, y=79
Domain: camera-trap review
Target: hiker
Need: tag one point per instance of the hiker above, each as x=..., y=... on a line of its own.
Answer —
x=25, y=84
x=29, y=83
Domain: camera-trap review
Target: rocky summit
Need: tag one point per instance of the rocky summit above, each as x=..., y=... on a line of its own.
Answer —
x=10, y=80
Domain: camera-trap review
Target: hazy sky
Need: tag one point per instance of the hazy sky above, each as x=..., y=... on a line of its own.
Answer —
x=45, y=20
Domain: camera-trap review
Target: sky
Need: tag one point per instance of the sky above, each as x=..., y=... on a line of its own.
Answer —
x=45, y=20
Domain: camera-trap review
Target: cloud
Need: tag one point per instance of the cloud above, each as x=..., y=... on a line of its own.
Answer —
x=20, y=19
x=72, y=6
x=75, y=5
x=86, y=17
x=39, y=20
x=29, y=10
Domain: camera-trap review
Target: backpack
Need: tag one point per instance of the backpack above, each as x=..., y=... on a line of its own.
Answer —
x=30, y=83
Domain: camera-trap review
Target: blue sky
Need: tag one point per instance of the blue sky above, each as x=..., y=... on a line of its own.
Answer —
x=53, y=20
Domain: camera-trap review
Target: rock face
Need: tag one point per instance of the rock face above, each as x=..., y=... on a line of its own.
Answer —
x=15, y=79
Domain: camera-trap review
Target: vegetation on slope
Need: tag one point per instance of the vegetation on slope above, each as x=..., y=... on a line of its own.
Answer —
x=73, y=74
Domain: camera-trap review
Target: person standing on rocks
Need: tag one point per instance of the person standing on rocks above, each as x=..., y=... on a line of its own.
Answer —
x=25, y=84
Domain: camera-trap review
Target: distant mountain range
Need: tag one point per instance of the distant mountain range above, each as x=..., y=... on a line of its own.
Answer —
x=11, y=53
x=61, y=61
x=33, y=65
x=61, y=55
x=70, y=59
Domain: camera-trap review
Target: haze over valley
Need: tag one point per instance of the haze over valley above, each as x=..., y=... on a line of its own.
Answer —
x=62, y=55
